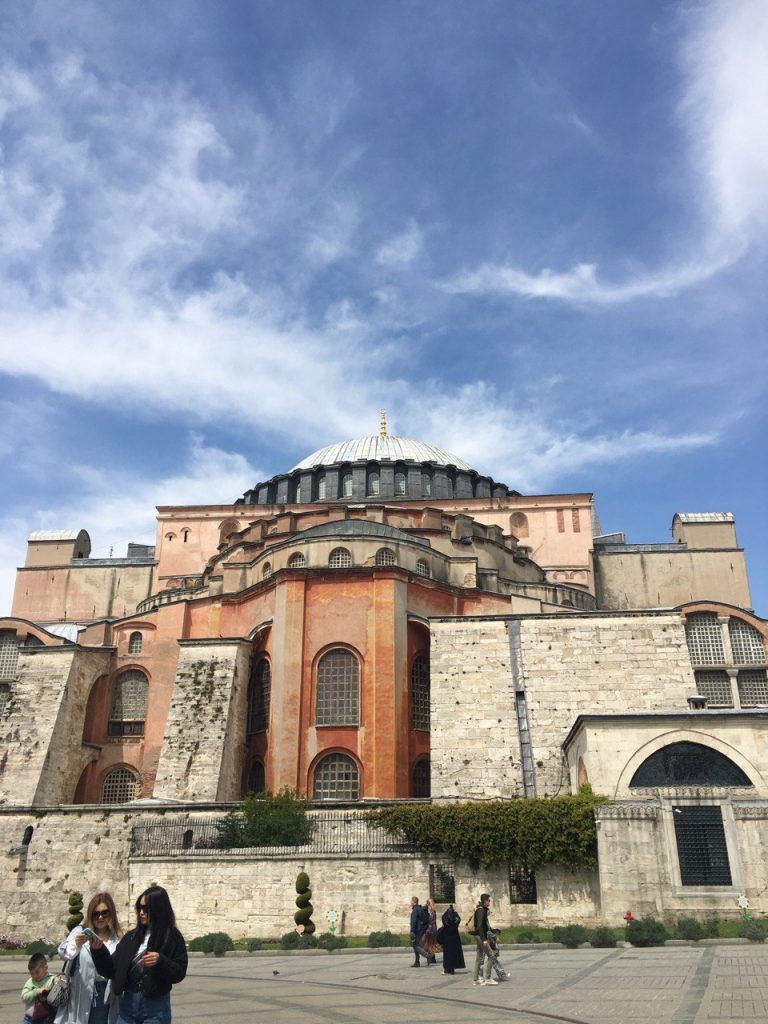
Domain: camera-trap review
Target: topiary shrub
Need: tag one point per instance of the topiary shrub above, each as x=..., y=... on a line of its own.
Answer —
x=75, y=910
x=377, y=940
x=689, y=928
x=572, y=935
x=222, y=944
x=253, y=944
x=646, y=931
x=755, y=931
x=330, y=942
x=602, y=938
x=303, y=915
x=527, y=938
x=213, y=942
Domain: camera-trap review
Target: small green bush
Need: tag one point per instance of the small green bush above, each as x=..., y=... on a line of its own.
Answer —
x=377, y=940
x=213, y=942
x=331, y=942
x=689, y=928
x=292, y=940
x=527, y=938
x=755, y=931
x=571, y=936
x=40, y=946
x=711, y=929
x=253, y=944
x=602, y=938
x=646, y=931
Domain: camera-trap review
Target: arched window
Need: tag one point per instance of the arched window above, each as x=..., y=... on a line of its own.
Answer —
x=258, y=696
x=226, y=529
x=426, y=483
x=297, y=561
x=401, y=482
x=120, y=786
x=385, y=557
x=336, y=778
x=135, y=642
x=266, y=570
x=337, y=700
x=256, y=778
x=9, y=654
x=420, y=786
x=129, y=705
x=705, y=639
x=747, y=643
x=5, y=696
x=373, y=481
x=688, y=764
x=321, y=487
x=339, y=558
x=422, y=567
x=450, y=485
x=346, y=484
x=420, y=692
x=518, y=523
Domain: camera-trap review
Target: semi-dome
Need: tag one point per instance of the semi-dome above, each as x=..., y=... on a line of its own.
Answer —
x=380, y=449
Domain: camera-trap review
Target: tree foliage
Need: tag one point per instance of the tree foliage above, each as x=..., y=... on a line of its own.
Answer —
x=529, y=832
x=266, y=820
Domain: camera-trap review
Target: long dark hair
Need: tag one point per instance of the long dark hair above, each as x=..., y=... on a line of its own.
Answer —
x=161, y=916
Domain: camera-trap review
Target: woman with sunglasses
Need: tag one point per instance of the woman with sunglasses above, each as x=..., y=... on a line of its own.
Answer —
x=148, y=960
x=91, y=1000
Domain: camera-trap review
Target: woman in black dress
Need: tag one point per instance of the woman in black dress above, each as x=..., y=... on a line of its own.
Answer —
x=450, y=940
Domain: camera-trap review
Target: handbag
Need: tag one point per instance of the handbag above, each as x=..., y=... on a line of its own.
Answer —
x=440, y=935
x=58, y=991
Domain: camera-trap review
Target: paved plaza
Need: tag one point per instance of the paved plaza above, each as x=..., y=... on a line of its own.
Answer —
x=679, y=985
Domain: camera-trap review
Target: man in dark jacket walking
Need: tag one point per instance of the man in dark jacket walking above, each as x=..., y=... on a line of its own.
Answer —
x=418, y=925
x=483, y=953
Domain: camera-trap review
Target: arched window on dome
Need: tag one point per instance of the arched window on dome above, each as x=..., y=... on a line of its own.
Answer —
x=120, y=786
x=518, y=524
x=422, y=567
x=420, y=692
x=293, y=490
x=135, y=643
x=297, y=561
x=401, y=480
x=129, y=704
x=384, y=556
x=259, y=691
x=420, y=779
x=450, y=484
x=336, y=778
x=339, y=558
x=345, y=482
x=372, y=481
x=426, y=482
x=337, y=692
x=320, y=486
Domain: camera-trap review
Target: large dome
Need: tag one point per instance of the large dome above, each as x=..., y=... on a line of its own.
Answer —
x=380, y=449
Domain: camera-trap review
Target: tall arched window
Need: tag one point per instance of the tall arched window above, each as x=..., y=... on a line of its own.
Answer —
x=373, y=481
x=420, y=692
x=9, y=654
x=258, y=696
x=129, y=705
x=747, y=643
x=450, y=484
x=518, y=523
x=266, y=570
x=420, y=782
x=297, y=561
x=321, y=487
x=336, y=778
x=337, y=700
x=256, y=779
x=339, y=558
x=401, y=482
x=345, y=483
x=385, y=557
x=135, y=642
x=426, y=483
x=120, y=786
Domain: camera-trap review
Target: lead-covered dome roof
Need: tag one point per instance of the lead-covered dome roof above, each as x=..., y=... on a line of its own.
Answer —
x=380, y=449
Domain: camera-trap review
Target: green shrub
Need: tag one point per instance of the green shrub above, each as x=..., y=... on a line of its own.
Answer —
x=711, y=929
x=602, y=938
x=330, y=942
x=303, y=915
x=755, y=931
x=572, y=935
x=292, y=940
x=689, y=928
x=377, y=940
x=40, y=946
x=266, y=820
x=253, y=944
x=74, y=910
x=527, y=938
x=213, y=942
x=646, y=931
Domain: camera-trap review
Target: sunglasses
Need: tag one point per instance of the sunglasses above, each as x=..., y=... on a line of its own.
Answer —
x=102, y=913
x=143, y=908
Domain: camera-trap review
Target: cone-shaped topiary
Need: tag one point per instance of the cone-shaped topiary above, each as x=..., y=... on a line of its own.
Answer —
x=75, y=909
x=304, y=914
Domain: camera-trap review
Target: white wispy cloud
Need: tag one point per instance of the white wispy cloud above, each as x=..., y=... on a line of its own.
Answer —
x=402, y=248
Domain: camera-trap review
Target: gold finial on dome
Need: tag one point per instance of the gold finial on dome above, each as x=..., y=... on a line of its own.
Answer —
x=383, y=423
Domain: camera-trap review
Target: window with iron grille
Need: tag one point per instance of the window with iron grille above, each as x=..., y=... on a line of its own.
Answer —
x=339, y=558
x=336, y=778
x=135, y=642
x=297, y=561
x=688, y=764
x=256, y=779
x=522, y=885
x=420, y=692
x=705, y=639
x=9, y=654
x=338, y=689
x=701, y=847
x=5, y=696
x=129, y=705
x=753, y=687
x=747, y=643
x=258, y=696
x=421, y=778
x=442, y=884
x=385, y=557
x=715, y=686
x=422, y=567
x=120, y=786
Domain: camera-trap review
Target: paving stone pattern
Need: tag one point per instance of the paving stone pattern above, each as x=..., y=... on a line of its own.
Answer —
x=684, y=985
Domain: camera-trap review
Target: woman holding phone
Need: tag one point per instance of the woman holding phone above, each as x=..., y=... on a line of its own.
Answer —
x=148, y=960
x=90, y=1000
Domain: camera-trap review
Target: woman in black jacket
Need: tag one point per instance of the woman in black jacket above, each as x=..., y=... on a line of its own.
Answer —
x=148, y=960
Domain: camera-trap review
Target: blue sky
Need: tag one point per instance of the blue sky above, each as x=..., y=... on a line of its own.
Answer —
x=534, y=232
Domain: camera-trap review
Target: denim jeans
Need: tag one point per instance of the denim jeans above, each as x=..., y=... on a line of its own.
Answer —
x=136, y=1008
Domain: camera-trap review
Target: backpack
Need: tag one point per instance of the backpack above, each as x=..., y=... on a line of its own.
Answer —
x=472, y=924
x=424, y=918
